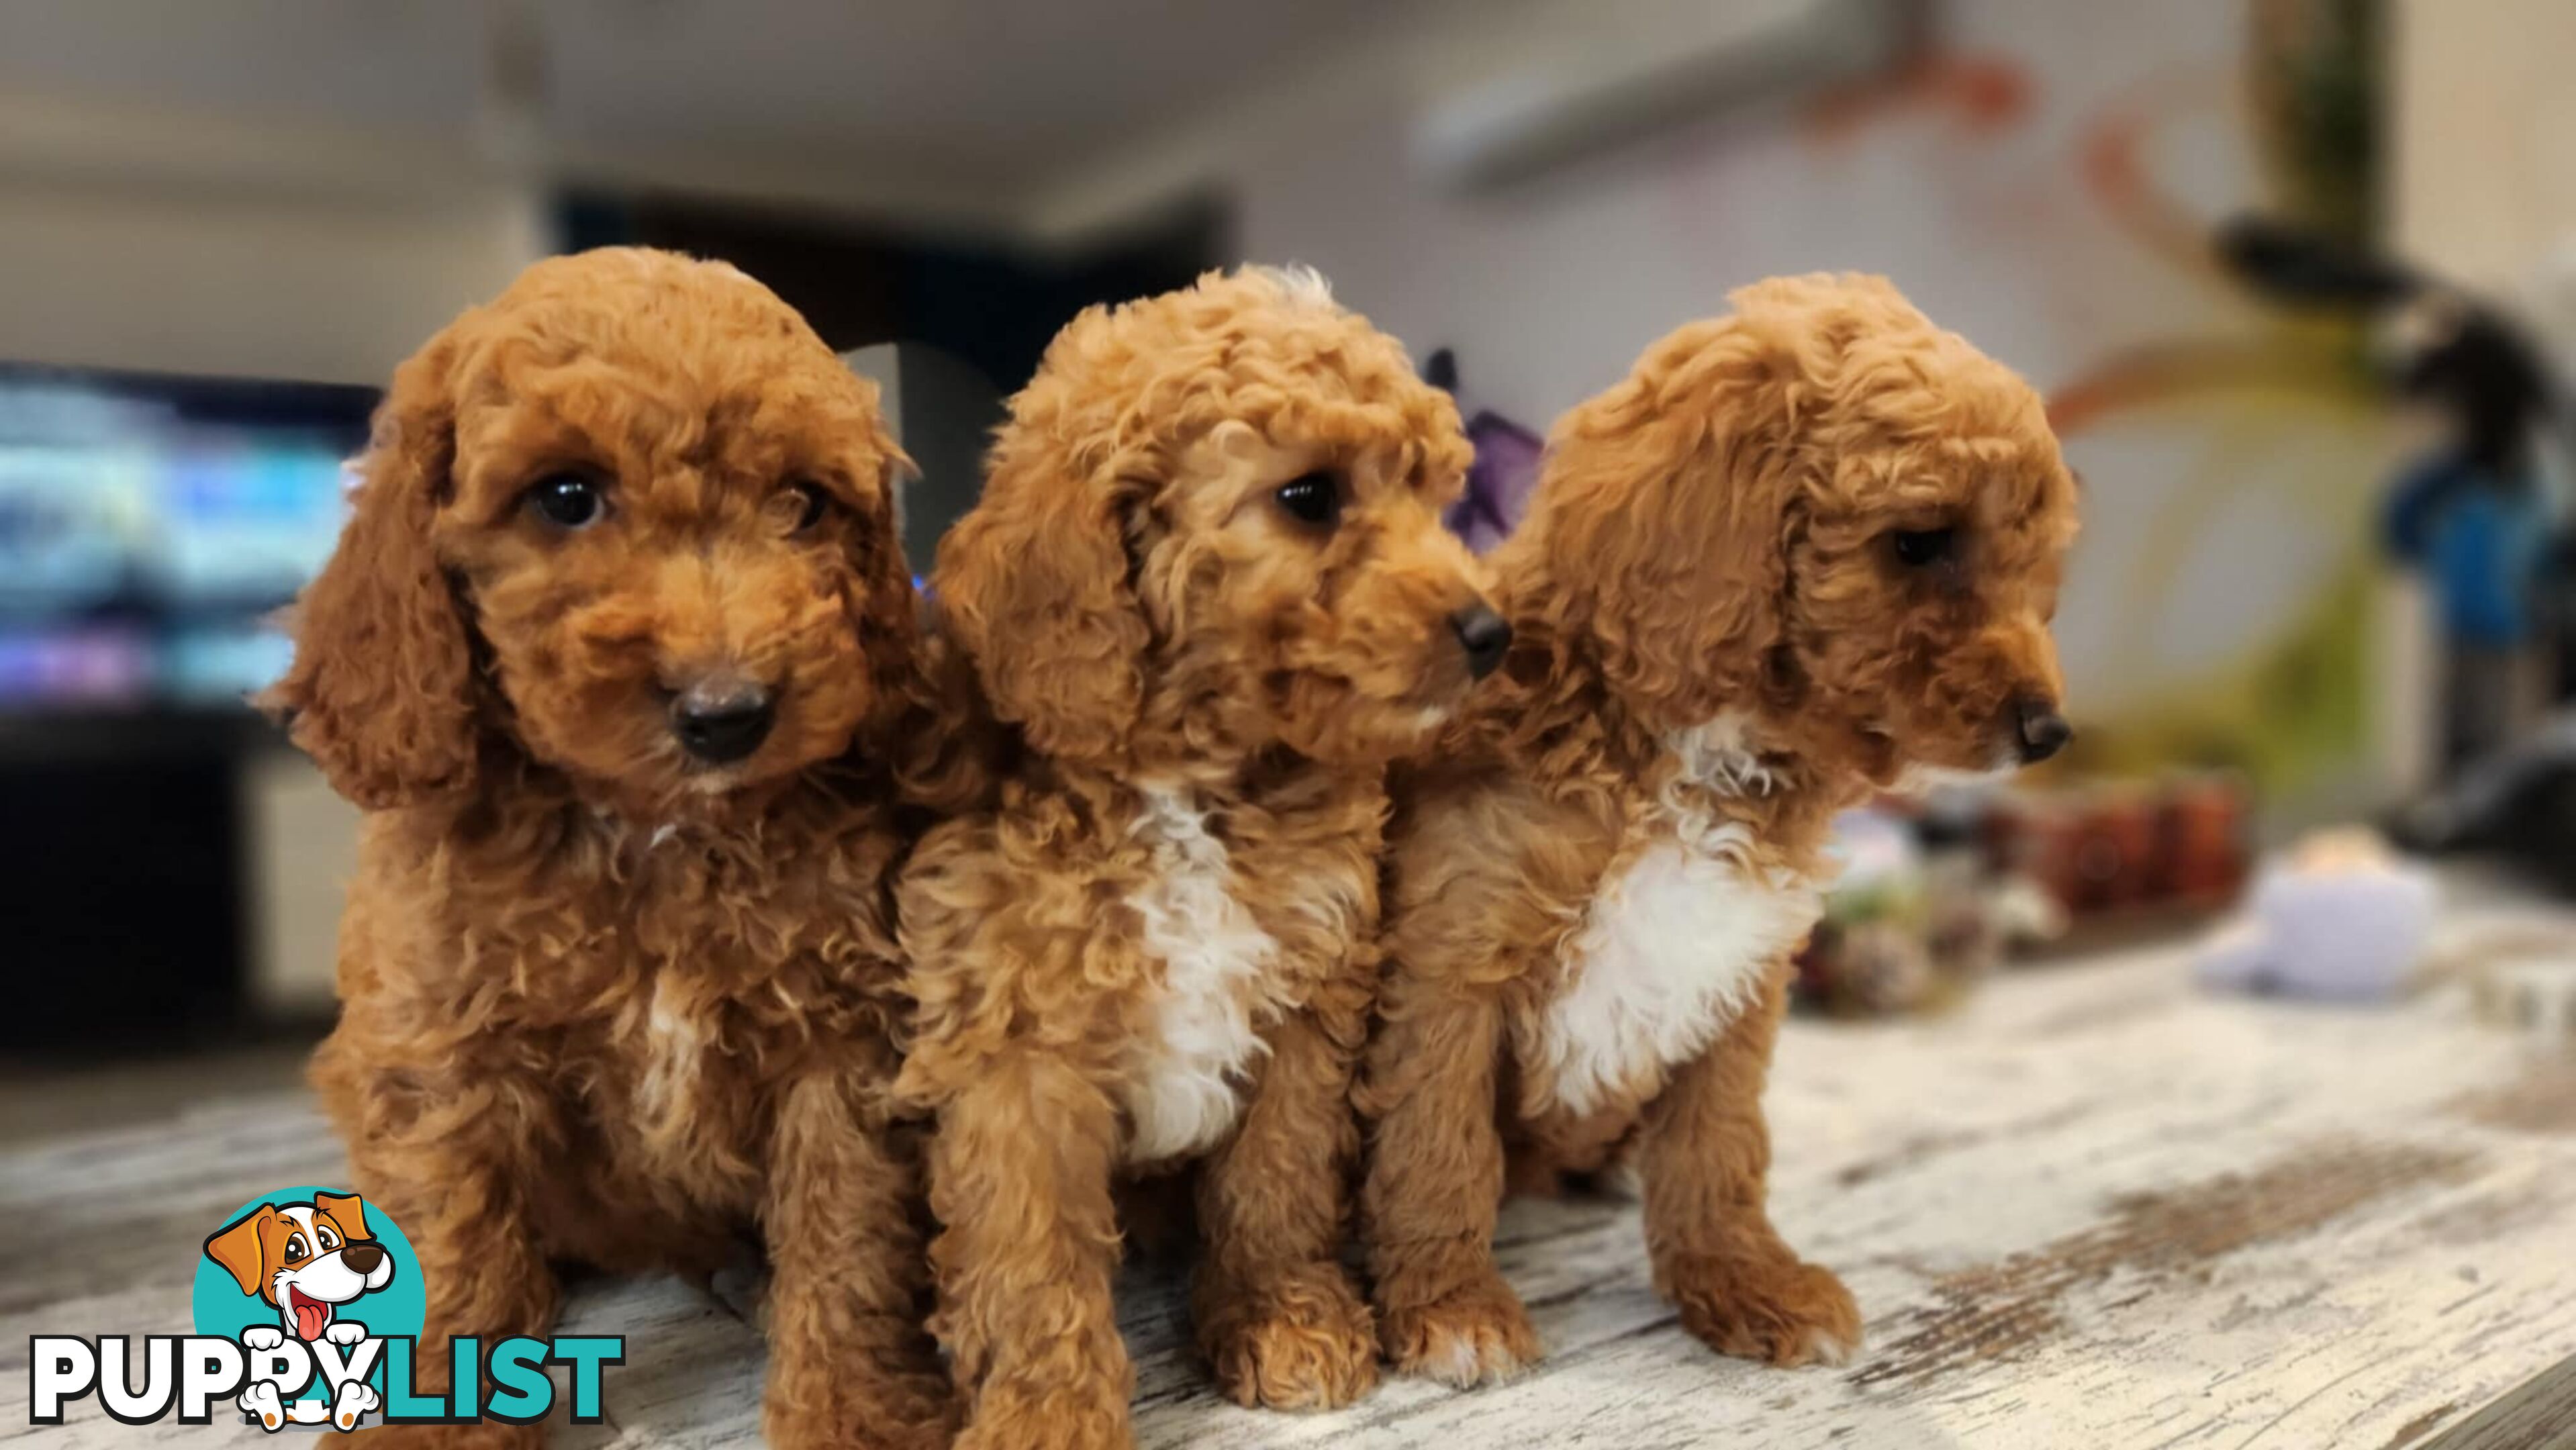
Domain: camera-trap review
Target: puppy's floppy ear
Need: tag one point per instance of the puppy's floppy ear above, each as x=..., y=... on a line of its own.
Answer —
x=382, y=691
x=1034, y=582
x=1666, y=516
x=348, y=1211
x=890, y=608
x=240, y=1246
x=878, y=593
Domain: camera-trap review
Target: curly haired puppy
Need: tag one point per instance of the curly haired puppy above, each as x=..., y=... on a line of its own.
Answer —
x=1802, y=552
x=1208, y=586
x=611, y=652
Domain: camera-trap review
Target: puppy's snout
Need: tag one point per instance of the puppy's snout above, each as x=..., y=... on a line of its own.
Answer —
x=721, y=721
x=2040, y=731
x=1484, y=635
x=362, y=1258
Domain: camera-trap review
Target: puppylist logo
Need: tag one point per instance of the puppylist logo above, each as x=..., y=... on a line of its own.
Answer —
x=309, y=1306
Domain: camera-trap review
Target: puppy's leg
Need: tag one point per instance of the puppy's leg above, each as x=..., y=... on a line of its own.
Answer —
x=1275, y=1311
x=444, y=1163
x=1020, y=1181
x=1704, y=1154
x=850, y=1359
x=1434, y=1182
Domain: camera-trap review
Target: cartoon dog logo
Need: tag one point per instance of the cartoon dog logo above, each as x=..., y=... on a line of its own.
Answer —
x=306, y=1260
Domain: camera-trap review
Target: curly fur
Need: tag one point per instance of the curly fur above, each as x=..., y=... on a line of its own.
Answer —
x=600, y=1002
x=1597, y=881
x=1158, y=948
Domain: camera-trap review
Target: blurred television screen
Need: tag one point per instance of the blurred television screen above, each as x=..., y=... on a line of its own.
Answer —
x=148, y=525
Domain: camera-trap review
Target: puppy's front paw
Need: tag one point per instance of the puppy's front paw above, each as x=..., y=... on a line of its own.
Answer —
x=262, y=1337
x=1301, y=1343
x=1007, y=1420
x=1769, y=1307
x=1476, y=1334
x=344, y=1331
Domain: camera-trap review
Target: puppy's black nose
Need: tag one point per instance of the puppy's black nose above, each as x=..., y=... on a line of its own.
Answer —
x=2042, y=731
x=362, y=1258
x=721, y=722
x=1484, y=635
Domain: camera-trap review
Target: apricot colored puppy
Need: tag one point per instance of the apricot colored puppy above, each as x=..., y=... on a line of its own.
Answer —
x=1208, y=588
x=618, y=653
x=1802, y=553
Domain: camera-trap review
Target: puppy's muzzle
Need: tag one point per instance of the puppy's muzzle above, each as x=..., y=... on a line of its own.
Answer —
x=2038, y=730
x=1484, y=635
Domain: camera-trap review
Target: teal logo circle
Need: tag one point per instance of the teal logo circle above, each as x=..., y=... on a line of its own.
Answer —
x=244, y=1243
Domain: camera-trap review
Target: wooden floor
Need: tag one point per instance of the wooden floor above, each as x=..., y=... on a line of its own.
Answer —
x=2093, y=1208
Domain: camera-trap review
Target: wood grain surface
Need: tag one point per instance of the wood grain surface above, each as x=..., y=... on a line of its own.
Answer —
x=2093, y=1207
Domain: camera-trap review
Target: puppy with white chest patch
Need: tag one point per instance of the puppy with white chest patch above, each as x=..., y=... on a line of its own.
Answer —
x=1208, y=589
x=1802, y=553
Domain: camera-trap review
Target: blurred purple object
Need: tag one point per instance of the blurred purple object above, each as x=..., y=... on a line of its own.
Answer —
x=1499, y=483
x=1505, y=472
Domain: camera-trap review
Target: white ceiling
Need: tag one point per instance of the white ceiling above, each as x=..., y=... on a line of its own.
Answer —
x=966, y=98
x=1006, y=88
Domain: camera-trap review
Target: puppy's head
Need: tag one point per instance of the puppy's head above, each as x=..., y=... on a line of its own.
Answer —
x=1827, y=512
x=633, y=519
x=1212, y=525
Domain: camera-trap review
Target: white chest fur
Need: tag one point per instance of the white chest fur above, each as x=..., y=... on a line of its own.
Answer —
x=1675, y=943
x=675, y=1046
x=673, y=1041
x=1183, y=1084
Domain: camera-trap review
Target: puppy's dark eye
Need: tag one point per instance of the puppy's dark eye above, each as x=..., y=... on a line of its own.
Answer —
x=567, y=501
x=1916, y=548
x=1315, y=498
x=811, y=504
x=295, y=1248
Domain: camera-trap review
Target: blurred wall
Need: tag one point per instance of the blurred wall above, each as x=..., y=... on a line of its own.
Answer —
x=170, y=278
x=299, y=848
x=2484, y=177
x=1549, y=288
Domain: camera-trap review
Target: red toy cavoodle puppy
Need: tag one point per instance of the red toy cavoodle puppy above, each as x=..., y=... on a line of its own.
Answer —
x=1802, y=553
x=615, y=652
x=1208, y=587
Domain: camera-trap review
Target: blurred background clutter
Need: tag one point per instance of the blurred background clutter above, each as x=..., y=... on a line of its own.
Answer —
x=2298, y=277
